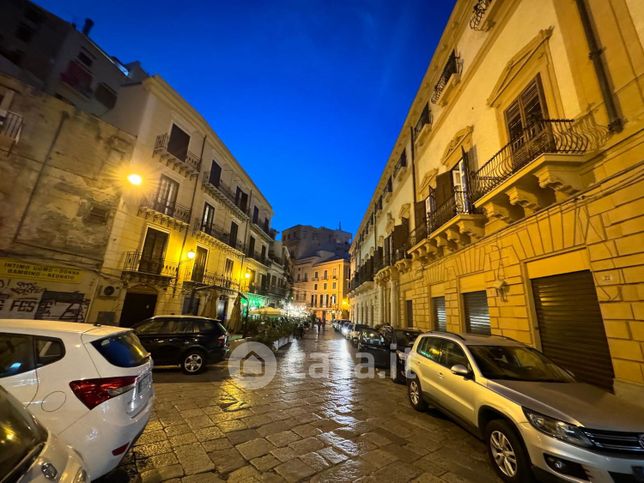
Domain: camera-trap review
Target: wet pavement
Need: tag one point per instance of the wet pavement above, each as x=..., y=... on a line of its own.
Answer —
x=333, y=427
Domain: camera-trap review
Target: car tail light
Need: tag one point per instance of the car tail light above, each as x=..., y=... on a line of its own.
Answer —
x=93, y=392
x=120, y=449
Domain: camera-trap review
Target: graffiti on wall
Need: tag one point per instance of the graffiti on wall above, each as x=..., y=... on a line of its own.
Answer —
x=27, y=299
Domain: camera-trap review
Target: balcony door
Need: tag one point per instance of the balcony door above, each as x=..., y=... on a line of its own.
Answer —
x=232, y=240
x=199, y=268
x=153, y=251
x=166, y=196
x=524, y=122
x=460, y=176
x=178, y=142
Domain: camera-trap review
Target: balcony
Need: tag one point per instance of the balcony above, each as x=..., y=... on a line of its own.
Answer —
x=451, y=226
x=423, y=126
x=480, y=20
x=214, y=235
x=79, y=78
x=10, y=128
x=264, y=231
x=199, y=277
x=146, y=269
x=186, y=163
x=224, y=194
x=538, y=168
x=450, y=77
x=172, y=215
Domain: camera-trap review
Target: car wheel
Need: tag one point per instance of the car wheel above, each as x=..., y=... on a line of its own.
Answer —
x=506, y=452
x=193, y=362
x=415, y=394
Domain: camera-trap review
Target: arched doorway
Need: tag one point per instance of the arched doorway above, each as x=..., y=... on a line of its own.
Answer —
x=139, y=304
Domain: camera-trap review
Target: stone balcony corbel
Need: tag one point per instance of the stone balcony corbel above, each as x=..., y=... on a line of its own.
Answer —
x=499, y=214
x=563, y=180
x=527, y=199
x=472, y=226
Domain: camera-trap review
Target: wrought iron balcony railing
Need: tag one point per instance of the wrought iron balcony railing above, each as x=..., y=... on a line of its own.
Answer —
x=451, y=67
x=423, y=120
x=419, y=233
x=543, y=136
x=161, y=147
x=478, y=13
x=138, y=262
x=174, y=210
x=10, y=126
x=458, y=204
x=200, y=276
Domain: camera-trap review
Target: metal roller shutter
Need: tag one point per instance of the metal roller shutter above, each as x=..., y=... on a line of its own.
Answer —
x=571, y=326
x=440, y=318
x=477, y=316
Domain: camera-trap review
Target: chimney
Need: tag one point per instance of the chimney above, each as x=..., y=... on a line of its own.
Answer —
x=87, y=26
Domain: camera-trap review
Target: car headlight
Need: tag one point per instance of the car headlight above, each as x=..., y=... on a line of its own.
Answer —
x=558, y=429
x=81, y=476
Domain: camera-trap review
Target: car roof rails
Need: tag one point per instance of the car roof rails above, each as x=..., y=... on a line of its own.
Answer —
x=447, y=332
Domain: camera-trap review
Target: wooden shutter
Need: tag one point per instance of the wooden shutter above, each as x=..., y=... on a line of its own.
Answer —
x=477, y=316
x=571, y=326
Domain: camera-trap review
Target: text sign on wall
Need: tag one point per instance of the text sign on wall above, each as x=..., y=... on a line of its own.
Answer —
x=31, y=271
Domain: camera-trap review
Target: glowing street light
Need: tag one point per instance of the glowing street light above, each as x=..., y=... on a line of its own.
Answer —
x=191, y=254
x=247, y=275
x=135, y=179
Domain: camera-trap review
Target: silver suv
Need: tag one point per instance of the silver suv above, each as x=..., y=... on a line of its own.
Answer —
x=533, y=416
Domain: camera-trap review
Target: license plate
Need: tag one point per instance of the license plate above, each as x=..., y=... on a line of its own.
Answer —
x=144, y=383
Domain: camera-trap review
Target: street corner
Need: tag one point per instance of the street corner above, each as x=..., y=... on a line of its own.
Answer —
x=252, y=365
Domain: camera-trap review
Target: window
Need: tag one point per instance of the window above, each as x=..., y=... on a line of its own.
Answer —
x=208, y=218
x=48, y=350
x=312, y=300
x=153, y=251
x=315, y=275
x=255, y=214
x=251, y=247
x=16, y=354
x=85, y=58
x=215, y=174
x=325, y=286
x=199, y=268
x=25, y=33
x=149, y=327
x=122, y=350
x=334, y=272
x=241, y=199
x=334, y=285
x=423, y=120
x=526, y=112
x=315, y=287
x=228, y=269
x=326, y=275
x=105, y=95
x=429, y=347
x=178, y=142
x=452, y=354
x=232, y=240
x=263, y=253
x=166, y=196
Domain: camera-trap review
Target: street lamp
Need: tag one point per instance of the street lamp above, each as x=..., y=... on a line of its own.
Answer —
x=191, y=254
x=135, y=179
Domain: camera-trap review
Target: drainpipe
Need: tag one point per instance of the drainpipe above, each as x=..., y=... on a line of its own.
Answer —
x=63, y=117
x=413, y=170
x=615, y=122
x=192, y=205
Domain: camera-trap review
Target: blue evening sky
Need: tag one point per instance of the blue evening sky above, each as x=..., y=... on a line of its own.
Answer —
x=308, y=95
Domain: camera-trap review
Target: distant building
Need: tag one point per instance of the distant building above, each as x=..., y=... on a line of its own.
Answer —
x=321, y=286
x=306, y=241
x=47, y=52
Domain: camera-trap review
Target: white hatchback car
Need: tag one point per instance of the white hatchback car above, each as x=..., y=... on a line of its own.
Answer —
x=90, y=385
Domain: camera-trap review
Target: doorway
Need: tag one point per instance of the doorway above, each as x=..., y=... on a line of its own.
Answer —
x=137, y=307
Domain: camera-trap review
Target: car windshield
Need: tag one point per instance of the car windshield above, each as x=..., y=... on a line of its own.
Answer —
x=21, y=437
x=517, y=363
x=359, y=327
x=406, y=337
x=373, y=337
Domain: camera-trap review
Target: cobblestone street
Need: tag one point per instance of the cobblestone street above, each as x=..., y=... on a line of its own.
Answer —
x=336, y=428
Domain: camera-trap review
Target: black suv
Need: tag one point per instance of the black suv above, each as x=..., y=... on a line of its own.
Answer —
x=185, y=340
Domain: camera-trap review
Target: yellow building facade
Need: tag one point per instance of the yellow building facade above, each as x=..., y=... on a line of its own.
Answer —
x=512, y=201
x=320, y=286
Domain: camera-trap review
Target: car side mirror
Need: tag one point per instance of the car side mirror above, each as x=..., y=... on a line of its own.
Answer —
x=461, y=370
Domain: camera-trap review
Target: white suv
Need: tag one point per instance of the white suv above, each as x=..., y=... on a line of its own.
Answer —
x=89, y=385
x=531, y=413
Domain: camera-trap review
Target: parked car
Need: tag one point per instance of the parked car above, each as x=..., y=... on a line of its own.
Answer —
x=184, y=340
x=338, y=323
x=531, y=413
x=90, y=385
x=345, y=328
x=400, y=341
x=373, y=342
x=354, y=332
x=28, y=452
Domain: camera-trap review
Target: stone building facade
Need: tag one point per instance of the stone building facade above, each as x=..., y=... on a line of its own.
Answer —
x=320, y=286
x=512, y=201
x=59, y=194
